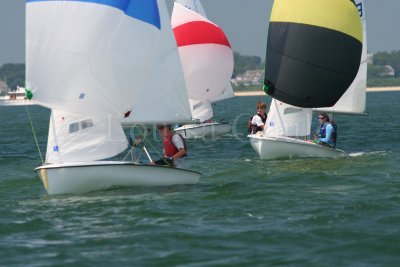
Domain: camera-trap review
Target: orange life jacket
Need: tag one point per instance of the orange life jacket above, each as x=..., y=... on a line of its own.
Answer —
x=169, y=148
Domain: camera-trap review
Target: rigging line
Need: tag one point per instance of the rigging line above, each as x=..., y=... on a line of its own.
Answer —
x=133, y=157
x=34, y=133
x=145, y=139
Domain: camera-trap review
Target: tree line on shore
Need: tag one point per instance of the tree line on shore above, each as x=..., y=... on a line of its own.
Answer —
x=379, y=68
x=378, y=75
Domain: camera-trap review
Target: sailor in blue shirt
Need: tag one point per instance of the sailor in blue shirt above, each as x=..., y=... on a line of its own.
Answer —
x=327, y=131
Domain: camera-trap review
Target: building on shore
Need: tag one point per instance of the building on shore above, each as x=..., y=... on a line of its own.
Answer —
x=387, y=71
x=249, y=78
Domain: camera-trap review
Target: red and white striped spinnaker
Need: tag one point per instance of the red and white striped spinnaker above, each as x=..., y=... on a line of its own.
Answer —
x=205, y=53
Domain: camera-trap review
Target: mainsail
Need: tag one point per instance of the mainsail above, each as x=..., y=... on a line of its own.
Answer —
x=313, y=51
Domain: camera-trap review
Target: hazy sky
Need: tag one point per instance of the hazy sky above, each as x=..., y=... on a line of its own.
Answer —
x=244, y=22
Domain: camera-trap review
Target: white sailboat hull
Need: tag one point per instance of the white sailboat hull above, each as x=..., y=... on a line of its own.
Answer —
x=210, y=129
x=286, y=147
x=83, y=177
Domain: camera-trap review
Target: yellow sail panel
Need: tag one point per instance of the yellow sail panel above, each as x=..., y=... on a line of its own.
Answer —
x=339, y=15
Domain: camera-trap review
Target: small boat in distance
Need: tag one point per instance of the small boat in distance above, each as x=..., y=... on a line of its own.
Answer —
x=15, y=98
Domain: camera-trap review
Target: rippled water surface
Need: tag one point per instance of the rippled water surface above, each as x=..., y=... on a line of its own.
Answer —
x=244, y=211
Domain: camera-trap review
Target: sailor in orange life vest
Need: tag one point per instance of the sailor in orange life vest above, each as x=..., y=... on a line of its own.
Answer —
x=174, y=147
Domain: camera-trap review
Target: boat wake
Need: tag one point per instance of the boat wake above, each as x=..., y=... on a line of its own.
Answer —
x=379, y=153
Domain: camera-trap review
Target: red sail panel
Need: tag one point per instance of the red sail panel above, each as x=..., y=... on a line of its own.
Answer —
x=205, y=33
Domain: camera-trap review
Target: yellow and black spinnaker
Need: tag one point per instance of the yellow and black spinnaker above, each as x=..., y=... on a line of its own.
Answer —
x=313, y=51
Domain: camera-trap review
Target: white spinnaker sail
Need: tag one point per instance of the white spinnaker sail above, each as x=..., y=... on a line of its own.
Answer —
x=287, y=120
x=353, y=100
x=89, y=56
x=164, y=98
x=74, y=138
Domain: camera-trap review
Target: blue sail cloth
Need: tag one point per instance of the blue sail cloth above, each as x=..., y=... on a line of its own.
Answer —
x=144, y=10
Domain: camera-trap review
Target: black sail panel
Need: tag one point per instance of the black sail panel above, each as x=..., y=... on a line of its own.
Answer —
x=310, y=65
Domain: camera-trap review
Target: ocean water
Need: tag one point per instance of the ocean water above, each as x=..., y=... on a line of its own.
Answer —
x=244, y=212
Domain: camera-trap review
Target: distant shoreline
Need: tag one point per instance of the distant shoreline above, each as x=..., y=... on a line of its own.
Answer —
x=371, y=89
x=383, y=89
